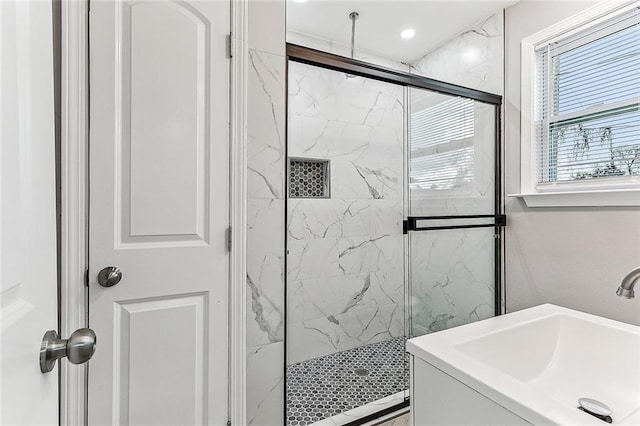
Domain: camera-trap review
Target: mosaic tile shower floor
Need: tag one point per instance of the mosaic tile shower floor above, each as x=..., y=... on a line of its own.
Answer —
x=323, y=387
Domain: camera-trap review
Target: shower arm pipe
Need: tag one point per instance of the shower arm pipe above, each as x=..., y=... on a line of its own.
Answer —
x=353, y=16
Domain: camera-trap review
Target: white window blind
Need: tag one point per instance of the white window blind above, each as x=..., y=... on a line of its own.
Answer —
x=441, y=145
x=587, y=104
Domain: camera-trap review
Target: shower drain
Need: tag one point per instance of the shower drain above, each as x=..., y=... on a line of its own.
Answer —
x=361, y=371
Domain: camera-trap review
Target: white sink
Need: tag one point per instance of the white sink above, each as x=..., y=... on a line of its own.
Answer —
x=538, y=362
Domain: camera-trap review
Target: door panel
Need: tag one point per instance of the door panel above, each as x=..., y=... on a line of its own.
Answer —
x=165, y=132
x=159, y=149
x=183, y=320
x=28, y=301
x=454, y=200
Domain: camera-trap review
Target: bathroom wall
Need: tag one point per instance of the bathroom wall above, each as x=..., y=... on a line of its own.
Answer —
x=473, y=59
x=574, y=257
x=265, y=215
x=345, y=283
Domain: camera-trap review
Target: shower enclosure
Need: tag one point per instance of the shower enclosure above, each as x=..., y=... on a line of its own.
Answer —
x=393, y=228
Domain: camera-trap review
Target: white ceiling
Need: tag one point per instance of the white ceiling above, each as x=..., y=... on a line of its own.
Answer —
x=381, y=21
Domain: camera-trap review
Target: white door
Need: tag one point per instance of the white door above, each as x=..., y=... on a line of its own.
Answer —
x=28, y=303
x=159, y=197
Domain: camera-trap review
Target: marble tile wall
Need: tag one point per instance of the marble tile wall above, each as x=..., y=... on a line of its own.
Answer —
x=266, y=100
x=473, y=59
x=344, y=265
x=452, y=278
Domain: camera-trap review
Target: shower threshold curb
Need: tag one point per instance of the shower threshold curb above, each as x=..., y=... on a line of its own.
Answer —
x=362, y=411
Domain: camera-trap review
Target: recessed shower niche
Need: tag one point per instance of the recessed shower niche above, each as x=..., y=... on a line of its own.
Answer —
x=309, y=178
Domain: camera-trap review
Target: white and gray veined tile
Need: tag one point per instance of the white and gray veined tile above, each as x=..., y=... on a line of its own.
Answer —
x=441, y=302
x=386, y=217
x=464, y=253
x=265, y=272
x=330, y=296
x=319, y=137
x=265, y=385
x=348, y=330
x=266, y=129
x=295, y=302
x=312, y=258
x=452, y=278
x=372, y=253
x=473, y=59
x=328, y=218
x=366, y=179
x=319, y=93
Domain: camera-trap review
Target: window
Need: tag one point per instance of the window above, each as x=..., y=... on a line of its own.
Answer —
x=584, y=103
x=441, y=141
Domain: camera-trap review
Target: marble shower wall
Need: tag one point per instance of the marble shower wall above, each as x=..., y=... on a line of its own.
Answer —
x=265, y=213
x=473, y=59
x=345, y=283
x=452, y=278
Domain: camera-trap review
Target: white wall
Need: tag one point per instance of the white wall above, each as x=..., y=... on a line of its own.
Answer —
x=574, y=257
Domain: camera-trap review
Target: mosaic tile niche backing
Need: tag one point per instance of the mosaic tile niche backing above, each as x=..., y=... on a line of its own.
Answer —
x=308, y=178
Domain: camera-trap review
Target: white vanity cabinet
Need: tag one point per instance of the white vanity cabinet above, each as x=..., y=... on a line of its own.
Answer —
x=526, y=367
x=439, y=399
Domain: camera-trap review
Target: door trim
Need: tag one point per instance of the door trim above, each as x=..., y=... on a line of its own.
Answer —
x=75, y=201
x=74, y=130
x=239, y=51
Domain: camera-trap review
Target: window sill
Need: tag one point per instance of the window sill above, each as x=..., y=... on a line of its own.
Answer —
x=604, y=198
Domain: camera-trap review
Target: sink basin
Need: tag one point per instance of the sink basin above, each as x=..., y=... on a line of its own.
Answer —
x=538, y=362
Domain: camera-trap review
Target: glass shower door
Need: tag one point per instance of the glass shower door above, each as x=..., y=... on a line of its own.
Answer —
x=454, y=223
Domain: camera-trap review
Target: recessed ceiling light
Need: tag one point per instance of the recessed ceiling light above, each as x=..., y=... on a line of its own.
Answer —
x=408, y=33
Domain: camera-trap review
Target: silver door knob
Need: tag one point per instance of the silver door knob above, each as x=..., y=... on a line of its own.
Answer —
x=78, y=348
x=109, y=276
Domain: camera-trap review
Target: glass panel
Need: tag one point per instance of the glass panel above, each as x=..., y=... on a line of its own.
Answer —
x=451, y=160
x=451, y=155
x=452, y=276
x=600, y=145
x=345, y=331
